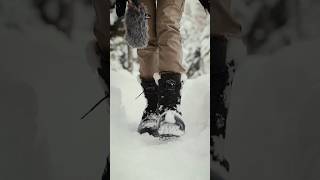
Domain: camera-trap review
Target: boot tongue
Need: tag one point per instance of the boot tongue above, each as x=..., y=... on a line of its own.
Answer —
x=170, y=117
x=170, y=94
x=170, y=85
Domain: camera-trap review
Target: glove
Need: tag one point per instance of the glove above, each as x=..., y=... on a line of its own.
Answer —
x=121, y=7
x=122, y=4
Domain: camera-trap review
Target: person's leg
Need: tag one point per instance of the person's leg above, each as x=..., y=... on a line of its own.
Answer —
x=223, y=29
x=148, y=57
x=169, y=15
x=168, y=18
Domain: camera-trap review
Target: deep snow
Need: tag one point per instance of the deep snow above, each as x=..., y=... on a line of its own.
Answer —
x=144, y=157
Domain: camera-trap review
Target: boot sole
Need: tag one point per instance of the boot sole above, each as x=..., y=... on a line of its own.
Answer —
x=150, y=131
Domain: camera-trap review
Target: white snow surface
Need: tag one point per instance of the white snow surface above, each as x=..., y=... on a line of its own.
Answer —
x=143, y=157
x=273, y=127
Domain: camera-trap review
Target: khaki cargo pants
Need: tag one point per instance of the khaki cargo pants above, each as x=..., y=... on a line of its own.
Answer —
x=164, y=50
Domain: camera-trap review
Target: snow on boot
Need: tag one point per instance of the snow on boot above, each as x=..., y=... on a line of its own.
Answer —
x=171, y=123
x=150, y=117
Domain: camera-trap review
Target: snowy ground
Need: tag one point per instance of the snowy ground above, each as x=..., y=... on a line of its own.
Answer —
x=143, y=157
x=273, y=129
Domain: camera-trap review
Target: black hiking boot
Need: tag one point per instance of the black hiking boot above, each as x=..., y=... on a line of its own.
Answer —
x=150, y=117
x=170, y=123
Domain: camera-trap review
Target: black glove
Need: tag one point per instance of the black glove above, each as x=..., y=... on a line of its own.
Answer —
x=121, y=7
x=122, y=4
x=136, y=2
